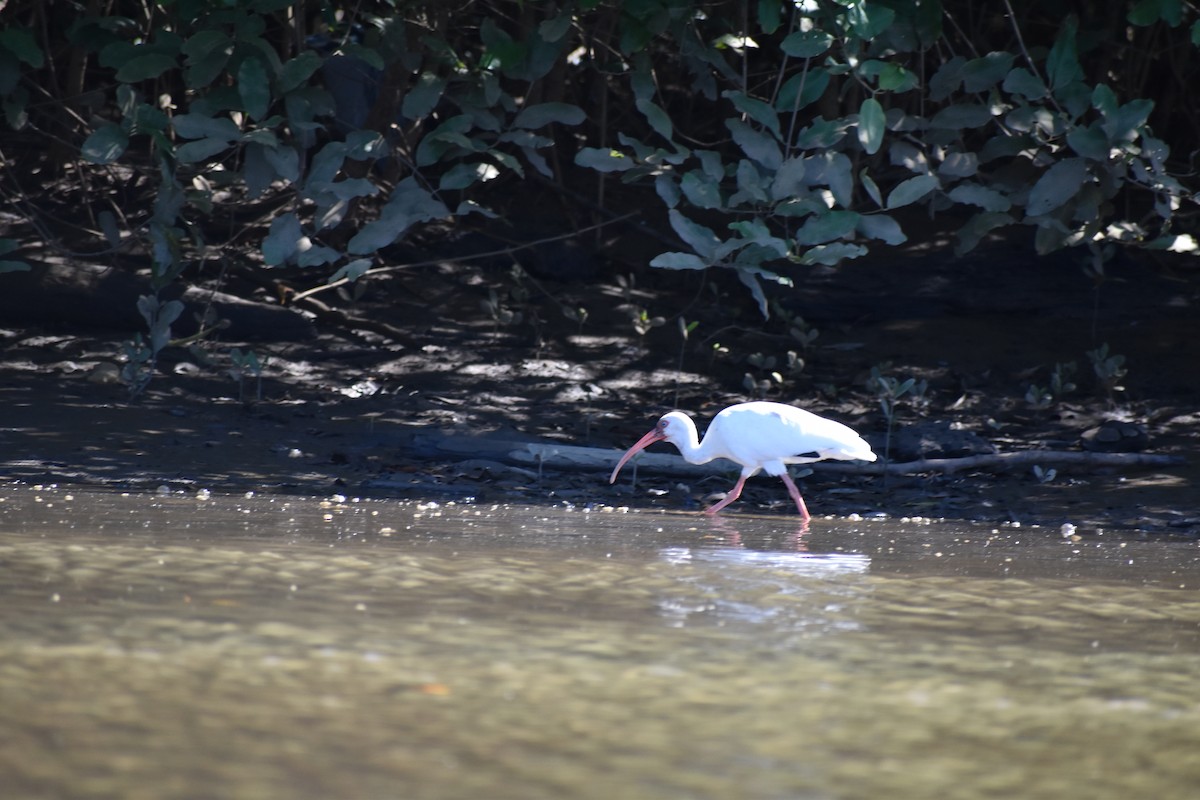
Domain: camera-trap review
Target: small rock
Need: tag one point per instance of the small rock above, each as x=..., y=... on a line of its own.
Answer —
x=935, y=440
x=1115, y=436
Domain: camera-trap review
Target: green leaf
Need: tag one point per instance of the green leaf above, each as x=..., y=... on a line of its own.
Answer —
x=947, y=79
x=911, y=190
x=500, y=46
x=604, y=159
x=254, y=87
x=698, y=237
x=285, y=161
x=200, y=150
x=871, y=187
x=145, y=118
x=108, y=225
x=958, y=165
x=367, y=54
x=392, y=223
x=667, y=189
x=789, y=179
x=1144, y=13
x=756, y=243
x=657, y=117
x=1062, y=64
x=422, y=98
x=868, y=20
x=768, y=15
x=365, y=145
x=806, y=44
x=352, y=271
x=679, y=261
x=204, y=71
x=882, y=227
x=1057, y=185
x=895, y=78
x=871, y=123
x=976, y=195
x=283, y=239
x=202, y=126
x=1023, y=82
x=444, y=138
x=8, y=246
x=409, y=204
x=802, y=89
x=350, y=188
x=471, y=207
x=1090, y=142
x=755, y=109
x=711, y=163
x=1051, y=235
x=460, y=176
x=1196, y=33
x=144, y=68
x=963, y=115
x=827, y=227
x=1125, y=124
x=749, y=277
x=701, y=190
x=552, y=30
x=310, y=255
x=1148, y=12
x=644, y=92
x=977, y=227
x=22, y=44
x=298, y=70
x=10, y=74
x=981, y=74
x=832, y=254
x=196, y=47
x=837, y=172
x=542, y=114
x=1104, y=100
x=105, y=145
x=257, y=172
x=757, y=145
x=750, y=184
x=822, y=134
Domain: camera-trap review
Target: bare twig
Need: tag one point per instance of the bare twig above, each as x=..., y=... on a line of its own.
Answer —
x=488, y=254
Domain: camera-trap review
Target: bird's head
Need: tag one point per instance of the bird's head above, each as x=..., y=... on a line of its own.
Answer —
x=674, y=427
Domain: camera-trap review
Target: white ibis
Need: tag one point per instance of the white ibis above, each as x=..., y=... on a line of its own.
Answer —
x=758, y=435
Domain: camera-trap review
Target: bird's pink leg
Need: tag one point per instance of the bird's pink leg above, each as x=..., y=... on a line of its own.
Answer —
x=734, y=494
x=795, y=493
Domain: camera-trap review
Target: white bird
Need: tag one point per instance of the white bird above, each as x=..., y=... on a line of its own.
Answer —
x=759, y=435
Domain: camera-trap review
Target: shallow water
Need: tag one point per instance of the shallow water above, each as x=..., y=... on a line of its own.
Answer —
x=169, y=646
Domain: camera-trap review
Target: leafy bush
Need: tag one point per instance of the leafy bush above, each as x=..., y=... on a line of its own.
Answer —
x=774, y=135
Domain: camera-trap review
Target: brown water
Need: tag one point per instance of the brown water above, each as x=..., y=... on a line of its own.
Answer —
x=174, y=647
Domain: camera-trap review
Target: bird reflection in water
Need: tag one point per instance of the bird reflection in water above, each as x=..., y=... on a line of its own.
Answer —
x=790, y=540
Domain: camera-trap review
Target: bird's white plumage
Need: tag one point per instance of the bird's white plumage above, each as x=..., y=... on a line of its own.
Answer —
x=758, y=435
x=768, y=436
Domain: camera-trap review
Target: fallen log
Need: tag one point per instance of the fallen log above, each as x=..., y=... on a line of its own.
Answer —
x=1020, y=458
x=551, y=455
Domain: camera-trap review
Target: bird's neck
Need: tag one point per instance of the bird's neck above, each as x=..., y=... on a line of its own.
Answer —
x=695, y=451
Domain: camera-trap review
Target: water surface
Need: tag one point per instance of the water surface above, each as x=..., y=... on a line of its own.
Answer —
x=170, y=646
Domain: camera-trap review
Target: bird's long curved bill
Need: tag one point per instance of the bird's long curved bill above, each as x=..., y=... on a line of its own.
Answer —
x=642, y=443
